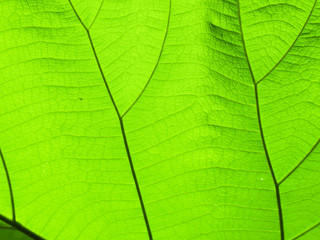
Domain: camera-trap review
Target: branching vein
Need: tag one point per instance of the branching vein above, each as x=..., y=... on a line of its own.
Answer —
x=299, y=164
x=95, y=17
x=121, y=125
x=289, y=49
x=157, y=63
x=276, y=185
x=308, y=230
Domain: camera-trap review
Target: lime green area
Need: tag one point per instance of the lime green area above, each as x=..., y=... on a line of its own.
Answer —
x=168, y=119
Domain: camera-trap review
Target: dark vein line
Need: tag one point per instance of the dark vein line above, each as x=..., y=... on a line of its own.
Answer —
x=97, y=60
x=157, y=63
x=80, y=20
x=125, y=142
x=9, y=185
x=122, y=128
x=289, y=49
x=270, y=166
x=308, y=230
x=21, y=228
x=261, y=130
x=95, y=17
x=102, y=75
x=299, y=164
x=136, y=180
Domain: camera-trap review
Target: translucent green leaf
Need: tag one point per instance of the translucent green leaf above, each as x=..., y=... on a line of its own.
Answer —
x=171, y=119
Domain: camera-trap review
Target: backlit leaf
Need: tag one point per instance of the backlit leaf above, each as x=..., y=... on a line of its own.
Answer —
x=171, y=119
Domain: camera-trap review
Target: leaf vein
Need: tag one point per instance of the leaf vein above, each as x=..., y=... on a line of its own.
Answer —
x=301, y=162
x=308, y=230
x=121, y=126
x=95, y=17
x=289, y=49
x=276, y=185
x=156, y=65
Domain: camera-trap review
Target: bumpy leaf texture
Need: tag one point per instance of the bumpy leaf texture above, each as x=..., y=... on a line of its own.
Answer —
x=147, y=119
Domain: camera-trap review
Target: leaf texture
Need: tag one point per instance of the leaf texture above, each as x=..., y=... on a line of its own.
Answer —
x=160, y=119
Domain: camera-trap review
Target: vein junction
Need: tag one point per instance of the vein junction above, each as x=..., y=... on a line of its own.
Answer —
x=276, y=182
x=120, y=121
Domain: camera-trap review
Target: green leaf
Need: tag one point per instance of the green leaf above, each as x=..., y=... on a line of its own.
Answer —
x=160, y=119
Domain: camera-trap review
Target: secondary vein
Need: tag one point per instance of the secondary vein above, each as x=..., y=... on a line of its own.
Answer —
x=302, y=161
x=157, y=63
x=276, y=185
x=95, y=17
x=9, y=185
x=121, y=126
x=308, y=230
x=289, y=49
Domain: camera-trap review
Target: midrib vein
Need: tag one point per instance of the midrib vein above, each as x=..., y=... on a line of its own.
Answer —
x=276, y=182
x=276, y=185
x=120, y=118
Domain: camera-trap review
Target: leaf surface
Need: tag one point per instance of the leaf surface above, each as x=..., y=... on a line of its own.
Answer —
x=160, y=119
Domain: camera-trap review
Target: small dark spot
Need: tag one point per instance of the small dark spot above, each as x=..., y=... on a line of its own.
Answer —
x=80, y=99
